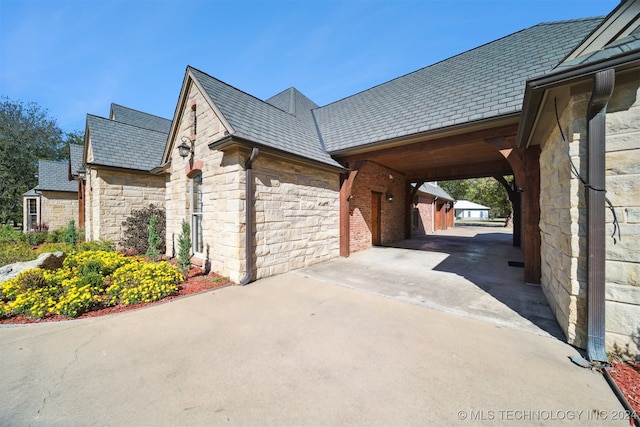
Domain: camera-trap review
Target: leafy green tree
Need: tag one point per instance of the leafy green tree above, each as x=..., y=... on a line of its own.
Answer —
x=485, y=191
x=27, y=134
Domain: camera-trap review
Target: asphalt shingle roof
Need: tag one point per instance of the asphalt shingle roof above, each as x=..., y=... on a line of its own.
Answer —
x=124, y=146
x=138, y=118
x=264, y=123
x=618, y=47
x=485, y=82
x=435, y=190
x=54, y=176
x=75, y=158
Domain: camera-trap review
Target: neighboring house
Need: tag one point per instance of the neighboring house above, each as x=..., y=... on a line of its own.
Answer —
x=53, y=202
x=76, y=172
x=465, y=209
x=271, y=186
x=431, y=210
x=119, y=156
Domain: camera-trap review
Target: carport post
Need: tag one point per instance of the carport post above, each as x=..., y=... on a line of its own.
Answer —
x=532, y=261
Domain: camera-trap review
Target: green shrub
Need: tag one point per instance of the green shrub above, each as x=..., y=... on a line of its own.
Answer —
x=54, y=247
x=55, y=236
x=154, y=240
x=15, y=252
x=8, y=234
x=184, y=248
x=96, y=245
x=35, y=238
x=143, y=282
x=70, y=236
x=136, y=229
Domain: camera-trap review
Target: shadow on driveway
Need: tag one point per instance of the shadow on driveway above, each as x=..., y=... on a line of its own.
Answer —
x=463, y=271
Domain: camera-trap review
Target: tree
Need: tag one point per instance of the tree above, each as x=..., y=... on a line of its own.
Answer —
x=485, y=191
x=27, y=134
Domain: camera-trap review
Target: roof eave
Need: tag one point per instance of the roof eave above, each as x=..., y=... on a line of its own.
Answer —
x=536, y=88
x=232, y=141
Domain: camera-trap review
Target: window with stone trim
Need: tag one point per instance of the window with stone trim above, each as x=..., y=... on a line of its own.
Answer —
x=196, y=213
x=33, y=214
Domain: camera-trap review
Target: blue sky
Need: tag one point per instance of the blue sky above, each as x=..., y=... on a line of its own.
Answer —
x=77, y=57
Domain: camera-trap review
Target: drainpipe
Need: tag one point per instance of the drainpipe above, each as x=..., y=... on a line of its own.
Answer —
x=248, y=235
x=603, y=82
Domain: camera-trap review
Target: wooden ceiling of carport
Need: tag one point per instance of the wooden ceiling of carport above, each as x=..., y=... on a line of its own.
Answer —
x=469, y=154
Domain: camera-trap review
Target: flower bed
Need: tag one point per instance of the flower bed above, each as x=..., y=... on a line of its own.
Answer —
x=94, y=283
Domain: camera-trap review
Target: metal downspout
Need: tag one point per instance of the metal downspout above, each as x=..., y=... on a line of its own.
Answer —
x=248, y=235
x=603, y=83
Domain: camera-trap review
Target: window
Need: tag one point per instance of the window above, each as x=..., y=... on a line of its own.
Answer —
x=196, y=213
x=32, y=214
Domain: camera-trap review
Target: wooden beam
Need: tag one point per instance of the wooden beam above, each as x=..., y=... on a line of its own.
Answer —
x=532, y=261
x=411, y=193
x=506, y=147
x=447, y=142
x=472, y=170
x=346, y=187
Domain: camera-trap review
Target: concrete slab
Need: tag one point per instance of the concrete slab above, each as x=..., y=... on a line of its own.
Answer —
x=463, y=271
x=289, y=350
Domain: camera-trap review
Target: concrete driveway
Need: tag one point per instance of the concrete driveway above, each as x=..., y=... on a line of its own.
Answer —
x=463, y=271
x=291, y=350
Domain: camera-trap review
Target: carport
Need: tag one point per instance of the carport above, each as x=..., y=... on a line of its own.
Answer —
x=472, y=151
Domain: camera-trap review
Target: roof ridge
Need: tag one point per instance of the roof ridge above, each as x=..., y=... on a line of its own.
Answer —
x=240, y=90
x=126, y=124
x=139, y=111
x=457, y=55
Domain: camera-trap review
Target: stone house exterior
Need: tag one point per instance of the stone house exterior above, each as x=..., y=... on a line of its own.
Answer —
x=272, y=185
x=119, y=156
x=585, y=118
x=53, y=202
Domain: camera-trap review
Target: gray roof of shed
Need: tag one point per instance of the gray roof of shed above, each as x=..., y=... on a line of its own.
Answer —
x=435, y=190
x=140, y=119
x=124, y=146
x=75, y=158
x=268, y=123
x=483, y=83
x=54, y=176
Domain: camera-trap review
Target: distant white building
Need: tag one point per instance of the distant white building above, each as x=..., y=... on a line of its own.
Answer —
x=465, y=209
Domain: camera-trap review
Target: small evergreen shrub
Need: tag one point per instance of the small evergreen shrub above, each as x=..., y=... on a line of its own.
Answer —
x=70, y=236
x=184, y=248
x=136, y=229
x=154, y=240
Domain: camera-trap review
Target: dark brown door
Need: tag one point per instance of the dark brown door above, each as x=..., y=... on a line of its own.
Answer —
x=376, y=206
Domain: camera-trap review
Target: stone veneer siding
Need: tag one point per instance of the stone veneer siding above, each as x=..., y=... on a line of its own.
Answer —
x=563, y=220
x=112, y=195
x=376, y=178
x=58, y=208
x=296, y=206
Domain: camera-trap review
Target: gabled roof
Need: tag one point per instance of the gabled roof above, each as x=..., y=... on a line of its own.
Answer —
x=435, y=190
x=484, y=83
x=138, y=118
x=54, y=176
x=619, y=47
x=467, y=205
x=257, y=121
x=293, y=102
x=124, y=146
x=75, y=160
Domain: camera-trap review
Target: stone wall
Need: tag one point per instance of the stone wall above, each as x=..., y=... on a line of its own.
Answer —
x=376, y=178
x=296, y=215
x=112, y=195
x=563, y=220
x=58, y=208
x=296, y=206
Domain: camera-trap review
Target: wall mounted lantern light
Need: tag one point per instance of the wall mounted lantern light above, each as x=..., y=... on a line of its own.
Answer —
x=447, y=206
x=186, y=148
x=389, y=197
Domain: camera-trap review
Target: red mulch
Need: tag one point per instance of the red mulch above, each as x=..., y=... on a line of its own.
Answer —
x=627, y=377
x=196, y=282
